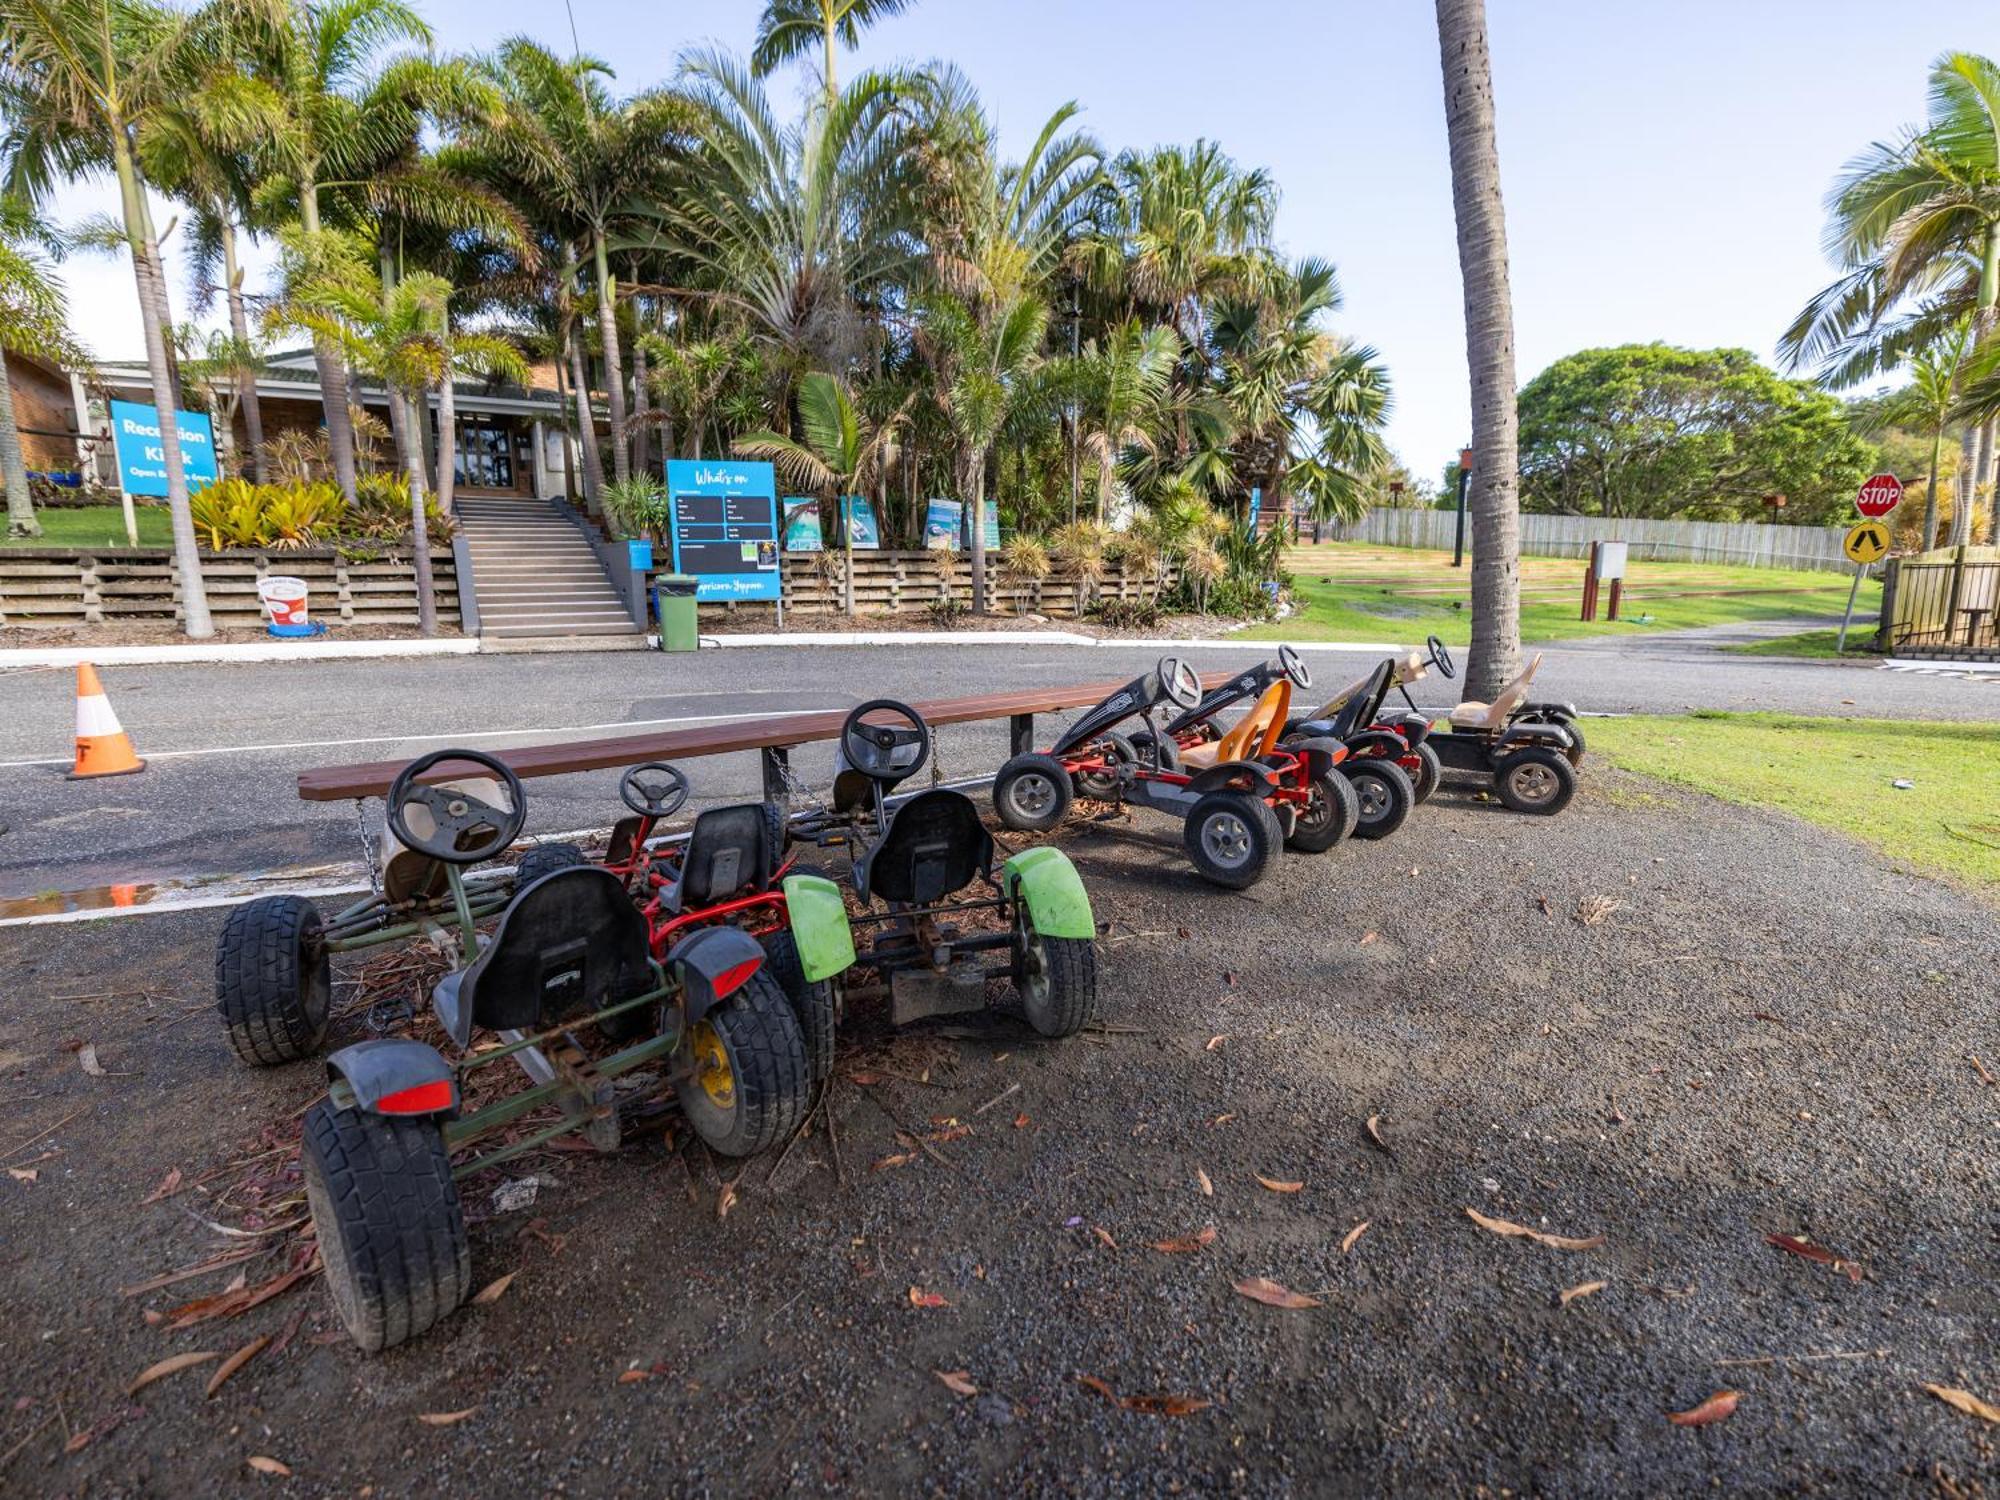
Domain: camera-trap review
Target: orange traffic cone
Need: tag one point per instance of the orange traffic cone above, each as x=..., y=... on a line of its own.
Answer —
x=102, y=746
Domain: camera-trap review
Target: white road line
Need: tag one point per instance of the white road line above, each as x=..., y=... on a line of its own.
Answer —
x=453, y=737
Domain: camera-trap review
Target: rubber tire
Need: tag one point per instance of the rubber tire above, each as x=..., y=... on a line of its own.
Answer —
x=273, y=991
x=545, y=859
x=777, y=834
x=1142, y=747
x=1426, y=781
x=816, y=1003
x=1051, y=770
x=1309, y=838
x=767, y=1059
x=1071, y=966
x=1554, y=761
x=1395, y=781
x=390, y=1228
x=1256, y=816
x=1575, y=751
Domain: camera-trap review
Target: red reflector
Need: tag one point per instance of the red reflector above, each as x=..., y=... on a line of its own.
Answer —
x=733, y=978
x=423, y=1099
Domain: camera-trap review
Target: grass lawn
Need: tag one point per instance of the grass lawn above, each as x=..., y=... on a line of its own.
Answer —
x=1815, y=643
x=1354, y=592
x=1840, y=774
x=94, y=526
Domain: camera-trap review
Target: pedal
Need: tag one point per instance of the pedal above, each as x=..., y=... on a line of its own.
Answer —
x=917, y=993
x=594, y=1097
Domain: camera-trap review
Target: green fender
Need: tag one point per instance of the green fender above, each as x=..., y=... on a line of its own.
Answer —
x=1043, y=880
x=819, y=926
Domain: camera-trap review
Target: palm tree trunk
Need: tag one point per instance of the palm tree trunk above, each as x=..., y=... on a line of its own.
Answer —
x=614, y=364
x=239, y=329
x=642, y=407
x=447, y=448
x=20, y=504
x=420, y=532
x=153, y=313
x=1930, y=488
x=420, y=435
x=976, y=507
x=1489, y=344
x=333, y=394
x=1962, y=491
x=1985, y=474
x=586, y=423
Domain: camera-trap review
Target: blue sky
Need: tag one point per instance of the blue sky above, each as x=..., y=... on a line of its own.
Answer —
x=1663, y=164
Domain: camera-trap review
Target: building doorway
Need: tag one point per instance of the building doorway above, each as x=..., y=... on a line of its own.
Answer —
x=485, y=457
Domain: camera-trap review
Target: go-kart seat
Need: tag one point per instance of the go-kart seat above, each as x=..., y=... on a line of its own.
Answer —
x=728, y=852
x=934, y=845
x=571, y=943
x=1493, y=716
x=1408, y=669
x=1256, y=733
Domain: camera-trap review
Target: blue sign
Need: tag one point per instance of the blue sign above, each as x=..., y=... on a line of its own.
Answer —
x=992, y=525
x=1256, y=503
x=725, y=528
x=802, y=525
x=142, y=461
x=942, y=521
x=864, y=532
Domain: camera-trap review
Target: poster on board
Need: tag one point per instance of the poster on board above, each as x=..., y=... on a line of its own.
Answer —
x=942, y=521
x=142, y=462
x=725, y=528
x=802, y=532
x=864, y=532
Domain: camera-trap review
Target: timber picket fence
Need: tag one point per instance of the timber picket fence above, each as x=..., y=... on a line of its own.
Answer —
x=1752, y=544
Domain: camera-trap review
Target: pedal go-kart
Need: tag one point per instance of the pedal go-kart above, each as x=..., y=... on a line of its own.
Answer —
x=1240, y=798
x=923, y=865
x=566, y=988
x=1531, y=750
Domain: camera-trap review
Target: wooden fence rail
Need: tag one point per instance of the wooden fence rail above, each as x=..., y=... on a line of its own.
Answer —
x=901, y=582
x=1747, y=543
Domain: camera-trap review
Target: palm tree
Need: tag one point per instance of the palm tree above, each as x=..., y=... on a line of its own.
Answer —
x=1121, y=384
x=844, y=453
x=77, y=79
x=1489, y=346
x=1932, y=397
x=791, y=29
x=33, y=320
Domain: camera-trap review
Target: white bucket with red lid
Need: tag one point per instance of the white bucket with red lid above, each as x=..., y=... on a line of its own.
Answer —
x=285, y=598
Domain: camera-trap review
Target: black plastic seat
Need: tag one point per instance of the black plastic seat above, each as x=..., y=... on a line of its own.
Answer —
x=934, y=845
x=728, y=853
x=570, y=944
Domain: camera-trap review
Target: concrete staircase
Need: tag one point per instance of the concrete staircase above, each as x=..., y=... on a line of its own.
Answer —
x=534, y=575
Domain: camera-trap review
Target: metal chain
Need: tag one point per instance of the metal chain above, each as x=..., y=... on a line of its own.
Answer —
x=367, y=844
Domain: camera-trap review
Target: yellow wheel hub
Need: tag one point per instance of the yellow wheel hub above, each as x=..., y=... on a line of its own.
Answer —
x=711, y=1065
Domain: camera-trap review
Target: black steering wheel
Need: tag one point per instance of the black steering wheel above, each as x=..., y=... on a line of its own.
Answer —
x=1295, y=667
x=1180, y=681
x=1440, y=657
x=886, y=752
x=455, y=813
x=654, y=789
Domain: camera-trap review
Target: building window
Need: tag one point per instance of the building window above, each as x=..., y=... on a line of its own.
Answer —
x=485, y=458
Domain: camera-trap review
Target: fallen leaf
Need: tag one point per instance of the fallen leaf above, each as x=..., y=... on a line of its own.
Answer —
x=1155, y=1406
x=1375, y=1135
x=79, y=1441
x=1214, y=1043
x=1543, y=903
x=1229, y=980
x=1367, y=938
x=1966, y=1402
x=726, y=1201
x=957, y=1382
x=493, y=1291
x=1104, y=1235
x=87, y=1058
x=1279, y=1187
x=866, y=1080
x=1273, y=1294
x=951, y=1133
x=24, y=1174
x=1592, y=910
x=169, y=1185
x=173, y=1364
x=921, y=1298
x=445, y=1418
x=265, y=1465
x=1188, y=1242
x=633, y=1377
x=1354, y=1234
x=1020, y=1122
x=1201, y=1179
x=900, y=1159
x=236, y=1362
x=1714, y=1409
x=1582, y=1289
x=1797, y=1244
x=1182, y=932
x=1222, y=1119
x=1521, y=1231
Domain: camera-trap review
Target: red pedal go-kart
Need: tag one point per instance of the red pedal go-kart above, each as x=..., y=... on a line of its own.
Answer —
x=1240, y=798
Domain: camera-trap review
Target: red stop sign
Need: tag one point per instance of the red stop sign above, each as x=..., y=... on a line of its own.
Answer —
x=1880, y=494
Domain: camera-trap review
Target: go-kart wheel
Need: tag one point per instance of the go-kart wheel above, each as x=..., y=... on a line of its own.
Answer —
x=885, y=752
x=1057, y=977
x=1295, y=667
x=1575, y=732
x=1032, y=793
x=1385, y=794
x=273, y=980
x=1103, y=785
x=1440, y=657
x=1328, y=818
x=546, y=859
x=1232, y=837
x=816, y=1002
x=1181, y=683
x=777, y=833
x=747, y=1087
x=386, y=1213
x=1535, y=780
x=653, y=789
x=1161, y=755
x=456, y=814
x=1431, y=772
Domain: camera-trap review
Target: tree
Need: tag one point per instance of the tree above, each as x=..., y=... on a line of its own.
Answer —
x=1649, y=431
x=1932, y=399
x=1120, y=383
x=791, y=29
x=1489, y=345
x=33, y=320
x=77, y=79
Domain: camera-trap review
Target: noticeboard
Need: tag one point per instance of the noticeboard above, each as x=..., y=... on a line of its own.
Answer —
x=725, y=528
x=864, y=531
x=802, y=533
x=142, y=462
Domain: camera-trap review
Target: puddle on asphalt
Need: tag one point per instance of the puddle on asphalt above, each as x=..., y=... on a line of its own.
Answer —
x=138, y=894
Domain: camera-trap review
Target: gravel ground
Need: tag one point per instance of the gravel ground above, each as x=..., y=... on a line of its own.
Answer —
x=1673, y=1024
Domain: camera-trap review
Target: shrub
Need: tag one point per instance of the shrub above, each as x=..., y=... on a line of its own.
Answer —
x=1126, y=614
x=236, y=513
x=639, y=507
x=1025, y=557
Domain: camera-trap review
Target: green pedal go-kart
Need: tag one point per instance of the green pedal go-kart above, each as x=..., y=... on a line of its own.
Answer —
x=917, y=862
x=566, y=988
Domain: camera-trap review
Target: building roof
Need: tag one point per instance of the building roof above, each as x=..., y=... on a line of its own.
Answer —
x=293, y=375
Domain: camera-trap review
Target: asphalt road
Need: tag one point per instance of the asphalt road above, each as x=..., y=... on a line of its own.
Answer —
x=226, y=743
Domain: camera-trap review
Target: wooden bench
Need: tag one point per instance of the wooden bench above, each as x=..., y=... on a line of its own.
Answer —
x=772, y=737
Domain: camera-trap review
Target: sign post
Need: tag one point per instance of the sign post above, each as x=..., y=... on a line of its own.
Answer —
x=1869, y=542
x=1607, y=564
x=1458, y=537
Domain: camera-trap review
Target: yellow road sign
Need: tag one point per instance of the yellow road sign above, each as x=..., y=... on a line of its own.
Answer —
x=1867, y=543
